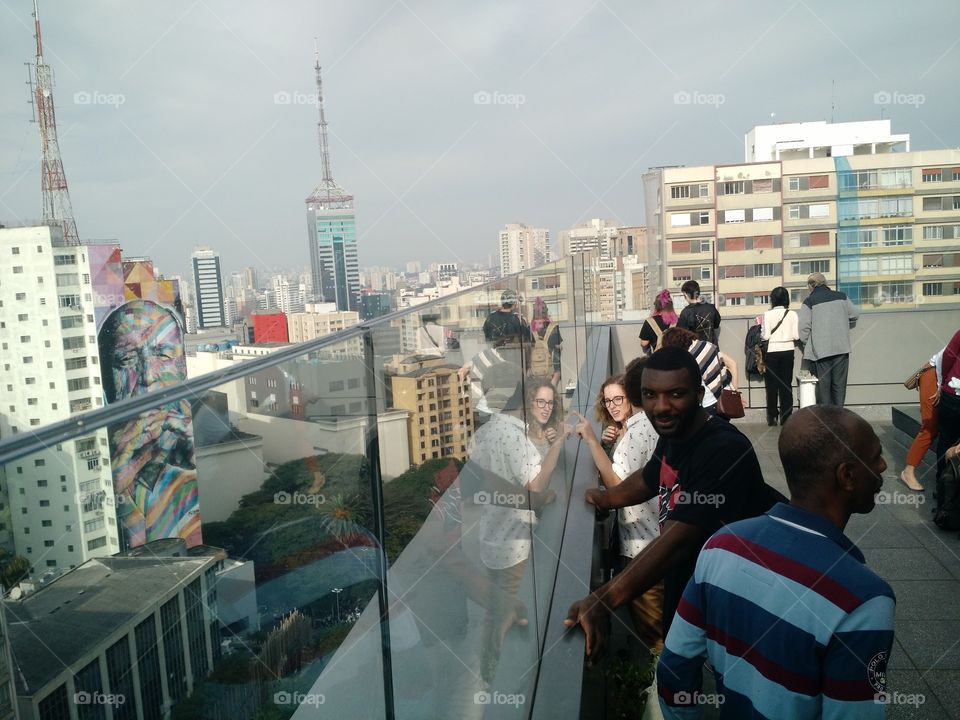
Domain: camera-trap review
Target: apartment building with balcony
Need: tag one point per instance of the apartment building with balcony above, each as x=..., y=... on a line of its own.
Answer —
x=440, y=420
x=58, y=506
x=883, y=227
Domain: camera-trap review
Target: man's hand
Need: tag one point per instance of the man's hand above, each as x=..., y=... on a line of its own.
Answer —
x=596, y=497
x=593, y=616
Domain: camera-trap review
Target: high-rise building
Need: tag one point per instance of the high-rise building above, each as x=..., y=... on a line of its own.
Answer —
x=60, y=499
x=332, y=230
x=881, y=225
x=595, y=236
x=208, y=289
x=374, y=304
x=522, y=248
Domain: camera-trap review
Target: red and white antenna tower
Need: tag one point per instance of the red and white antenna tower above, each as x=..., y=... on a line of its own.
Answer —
x=327, y=194
x=57, y=209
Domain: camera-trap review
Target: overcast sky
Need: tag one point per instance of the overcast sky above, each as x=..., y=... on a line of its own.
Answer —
x=186, y=123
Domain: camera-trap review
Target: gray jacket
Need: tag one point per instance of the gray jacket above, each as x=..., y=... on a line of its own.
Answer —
x=826, y=317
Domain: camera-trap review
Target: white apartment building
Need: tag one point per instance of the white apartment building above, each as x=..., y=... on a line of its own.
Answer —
x=59, y=508
x=208, y=289
x=522, y=248
x=597, y=236
x=807, y=140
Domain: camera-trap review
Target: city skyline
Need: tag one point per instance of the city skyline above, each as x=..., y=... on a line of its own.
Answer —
x=165, y=152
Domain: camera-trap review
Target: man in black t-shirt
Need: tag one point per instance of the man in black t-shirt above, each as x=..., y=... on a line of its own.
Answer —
x=699, y=316
x=706, y=475
x=504, y=325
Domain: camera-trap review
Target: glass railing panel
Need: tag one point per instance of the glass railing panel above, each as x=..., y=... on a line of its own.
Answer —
x=474, y=510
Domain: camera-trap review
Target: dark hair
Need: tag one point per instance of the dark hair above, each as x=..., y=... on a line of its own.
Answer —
x=691, y=288
x=826, y=428
x=533, y=386
x=780, y=297
x=632, y=379
x=678, y=337
x=603, y=415
x=675, y=358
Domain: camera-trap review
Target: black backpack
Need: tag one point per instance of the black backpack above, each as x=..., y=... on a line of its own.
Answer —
x=946, y=514
x=753, y=350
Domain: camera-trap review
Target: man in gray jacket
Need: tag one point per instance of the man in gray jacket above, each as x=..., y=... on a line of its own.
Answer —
x=826, y=318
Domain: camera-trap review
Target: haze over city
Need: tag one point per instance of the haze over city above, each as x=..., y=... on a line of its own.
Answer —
x=195, y=124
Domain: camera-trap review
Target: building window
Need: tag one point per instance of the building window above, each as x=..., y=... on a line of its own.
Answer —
x=734, y=216
x=682, y=274
x=793, y=212
x=705, y=271
x=793, y=183
x=933, y=232
x=765, y=270
x=18, y=269
x=760, y=214
x=737, y=187
x=808, y=267
x=679, y=191
x=680, y=220
x=704, y=218
x=820, y=211
x=931, y=175
x=933, y=288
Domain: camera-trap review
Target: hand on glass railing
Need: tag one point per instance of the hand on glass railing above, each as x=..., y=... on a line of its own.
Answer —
x=596, y=497
x=584, y=430
x=593, y=617
x=539, y=500
x=610, y=435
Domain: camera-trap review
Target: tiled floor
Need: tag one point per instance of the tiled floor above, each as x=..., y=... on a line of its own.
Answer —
x=921, y=563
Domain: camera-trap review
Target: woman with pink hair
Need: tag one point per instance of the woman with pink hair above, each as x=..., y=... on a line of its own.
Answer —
x=661, y=319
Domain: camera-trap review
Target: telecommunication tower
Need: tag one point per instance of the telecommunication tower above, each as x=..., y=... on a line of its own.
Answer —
x=332, y=227
x=57, y=209
x=327, y=194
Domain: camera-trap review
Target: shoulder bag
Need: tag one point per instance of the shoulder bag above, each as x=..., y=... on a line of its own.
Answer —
x=761, y=347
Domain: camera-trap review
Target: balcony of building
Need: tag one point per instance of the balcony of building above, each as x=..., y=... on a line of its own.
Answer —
x=378, y=592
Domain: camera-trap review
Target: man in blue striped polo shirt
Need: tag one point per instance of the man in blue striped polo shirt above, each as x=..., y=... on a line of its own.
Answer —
x=793, y=622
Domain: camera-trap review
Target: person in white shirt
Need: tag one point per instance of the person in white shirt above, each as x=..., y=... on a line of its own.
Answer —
x=781, y=328
x=638, y=525
x=512, y=479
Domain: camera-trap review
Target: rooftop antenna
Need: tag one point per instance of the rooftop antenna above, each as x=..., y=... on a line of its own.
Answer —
x=327, y=194
x=833, y=95
x=57, y=209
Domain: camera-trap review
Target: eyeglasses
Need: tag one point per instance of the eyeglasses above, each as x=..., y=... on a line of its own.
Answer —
x=615, y=401
x=543, y=404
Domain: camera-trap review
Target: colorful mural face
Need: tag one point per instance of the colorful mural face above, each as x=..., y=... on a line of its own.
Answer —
x=154, y=468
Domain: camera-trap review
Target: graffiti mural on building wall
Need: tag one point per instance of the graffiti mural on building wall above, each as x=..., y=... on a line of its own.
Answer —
x=140, y=339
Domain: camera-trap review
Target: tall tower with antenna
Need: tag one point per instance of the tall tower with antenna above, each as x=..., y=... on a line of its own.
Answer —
x=57, y=209
x=332, y=227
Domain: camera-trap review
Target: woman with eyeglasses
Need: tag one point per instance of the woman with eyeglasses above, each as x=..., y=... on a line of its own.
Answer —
x=634, y=441
x=543, y=414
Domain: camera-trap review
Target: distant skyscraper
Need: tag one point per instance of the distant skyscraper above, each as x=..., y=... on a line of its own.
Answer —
x=208, y=289
x=595, y=236
x=522, y=248
x=332, y=229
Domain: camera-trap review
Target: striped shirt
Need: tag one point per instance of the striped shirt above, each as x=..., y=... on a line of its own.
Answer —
x=793, y=622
